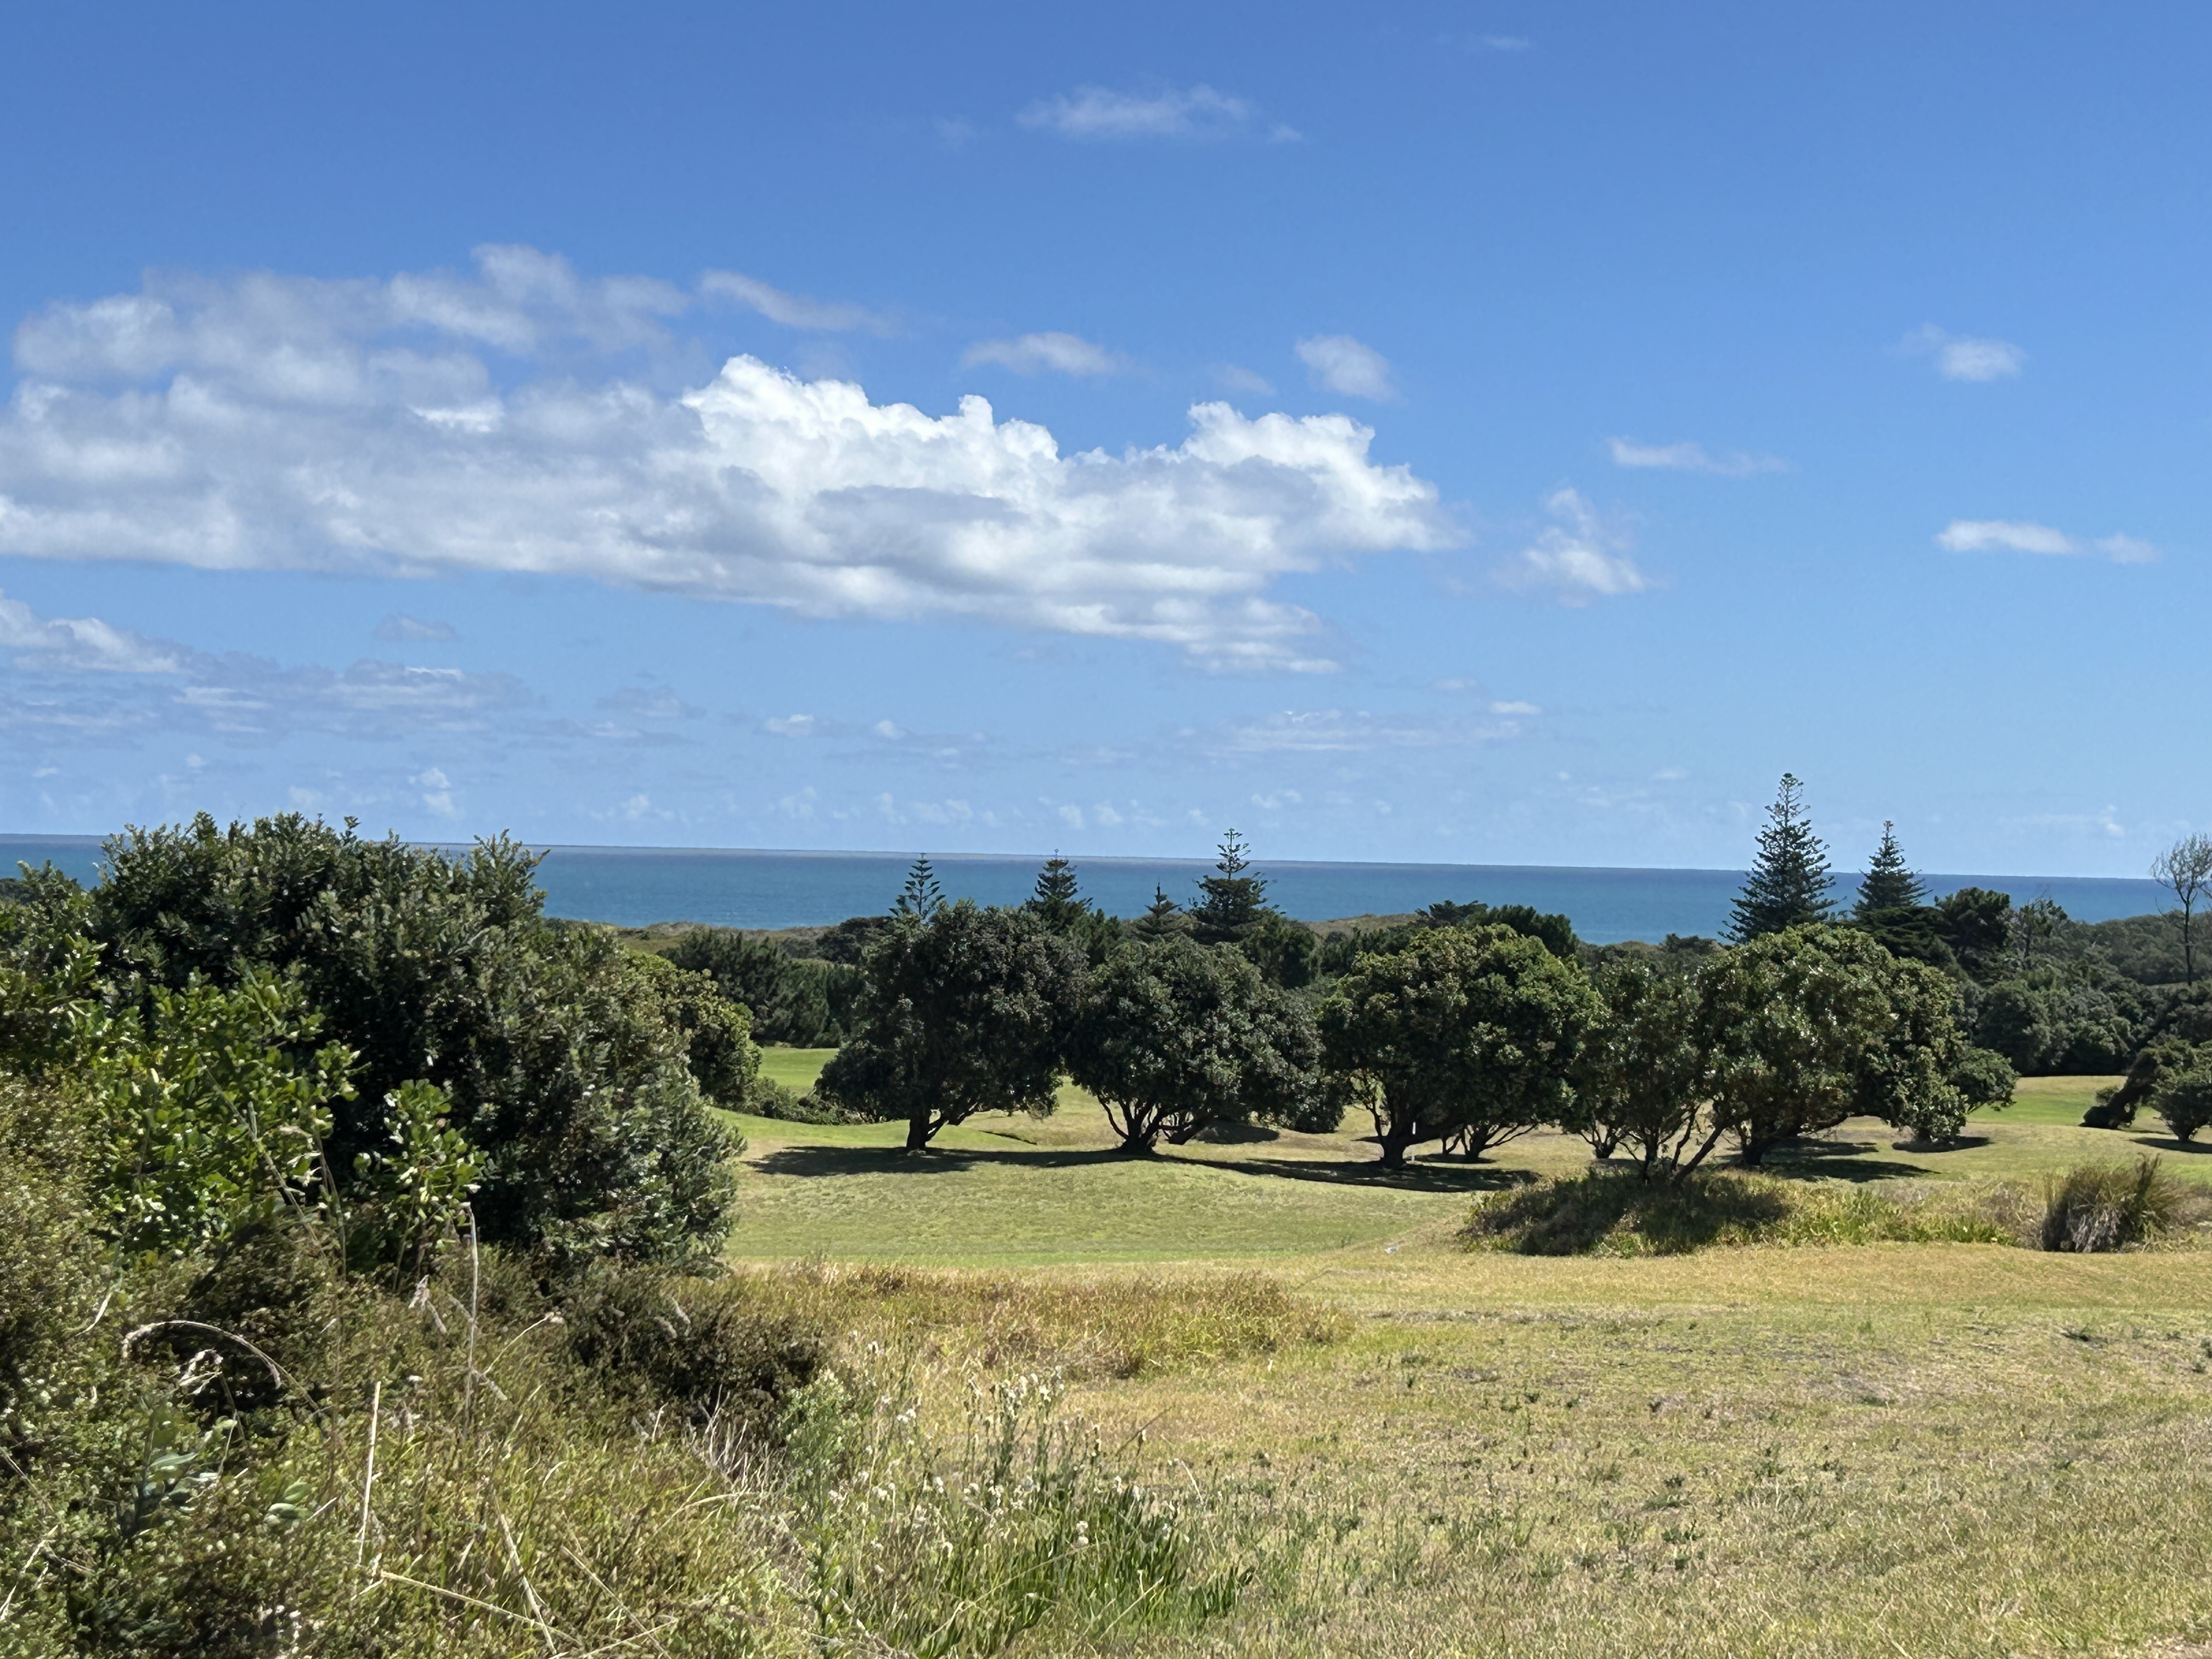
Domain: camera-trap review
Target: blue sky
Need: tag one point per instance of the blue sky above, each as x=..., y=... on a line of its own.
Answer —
x=1493, y=433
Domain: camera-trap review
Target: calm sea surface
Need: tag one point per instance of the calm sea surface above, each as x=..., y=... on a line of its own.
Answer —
x=633, y=887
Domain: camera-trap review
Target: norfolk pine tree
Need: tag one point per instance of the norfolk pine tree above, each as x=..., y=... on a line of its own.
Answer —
x=1788, y=887
x=1888, y=884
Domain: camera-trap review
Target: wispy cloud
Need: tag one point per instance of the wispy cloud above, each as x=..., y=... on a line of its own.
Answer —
x=792, y=310
x=1339, y=731
x=1341, y=363
x=1034, y=354
x=272, y=423
x=1198, y=112
x=400, y=629
x=1581, y=557
x=2018, y=535
x=1687, y=457
x=1243, y=379
x=1962, y=357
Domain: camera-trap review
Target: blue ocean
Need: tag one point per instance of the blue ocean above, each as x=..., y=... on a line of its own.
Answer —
x=737, y=888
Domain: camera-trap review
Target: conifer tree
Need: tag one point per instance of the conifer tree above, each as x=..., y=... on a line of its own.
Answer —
x=1056, y=902
x=1788, y=885
x=1234, y=902
x=1162, y=919
x=1888, y=884
x=921, y=898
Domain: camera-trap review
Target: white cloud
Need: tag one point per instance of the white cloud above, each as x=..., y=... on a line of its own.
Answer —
x=1198, y=112
x=437, y=792
x=1959, y=357
x=1693, y=457
x=80, y=642
x=890, y=731
x=792, y=310
x=1034, y=354
x=1243, y=379
x=1670, y=774
x=269, y=422
x=790, y=726
x=1072, y=816
x=1514, y=708
x=1581, y=556
x=400, y=628
x=1338, y=731
x=2017, y=536
x=1341, y=363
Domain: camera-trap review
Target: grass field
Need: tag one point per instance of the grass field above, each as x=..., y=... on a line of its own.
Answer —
x=1917, y=1450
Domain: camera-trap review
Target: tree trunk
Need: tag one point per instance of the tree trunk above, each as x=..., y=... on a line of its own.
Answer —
x=1394, y=1142
x=919, y=1129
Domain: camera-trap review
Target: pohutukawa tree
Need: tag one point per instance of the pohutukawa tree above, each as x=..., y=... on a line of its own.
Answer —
x=1467, y=1035
x=965, y=1010
x=1175, y=1036
x=1639, y=1080
x=1788, y=886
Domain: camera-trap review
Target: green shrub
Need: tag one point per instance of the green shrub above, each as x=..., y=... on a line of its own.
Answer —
x=769, y=1098
x=2109, y=1207
x=2183, y=1100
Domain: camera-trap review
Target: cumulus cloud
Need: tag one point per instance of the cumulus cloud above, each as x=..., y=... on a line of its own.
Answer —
x=1341, y=363
x=1032, y=353
x=1693, y=457
x=80, y=642
x=1959, y=357
x=2018, y=535
x=792, y=310
x=1197, y=112
x=269, y=422
x=400, y=629
x=1581, y=557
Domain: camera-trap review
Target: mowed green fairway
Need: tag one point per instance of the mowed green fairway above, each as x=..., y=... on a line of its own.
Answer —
x=1006, y=1191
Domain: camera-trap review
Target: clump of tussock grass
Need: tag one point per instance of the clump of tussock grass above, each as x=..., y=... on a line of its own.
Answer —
x=1021, y=1526
x=1106, y=1328
x=2112, y=1206
x=1612, y=1212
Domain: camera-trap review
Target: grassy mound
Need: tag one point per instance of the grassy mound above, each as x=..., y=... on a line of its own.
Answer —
x=1612, y=1212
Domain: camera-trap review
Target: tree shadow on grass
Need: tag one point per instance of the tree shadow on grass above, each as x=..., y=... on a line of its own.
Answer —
x=825, y=1160
x=2158, y=1143
x=1818, y=1159
x=1422, y=1176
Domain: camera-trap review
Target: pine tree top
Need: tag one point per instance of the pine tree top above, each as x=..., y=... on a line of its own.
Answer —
x=1889, y=884
x=1056, y=898
x=1163, y=918
x=1788, y=885
x=1234, y=902
x=921, y=898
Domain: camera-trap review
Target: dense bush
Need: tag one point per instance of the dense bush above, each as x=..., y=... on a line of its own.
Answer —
x=563, y=1061
x=798, y=1001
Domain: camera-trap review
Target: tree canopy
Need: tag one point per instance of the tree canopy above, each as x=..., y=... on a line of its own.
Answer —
x=1174, y=1035
x=965, y=1011
x=1466, y=1034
